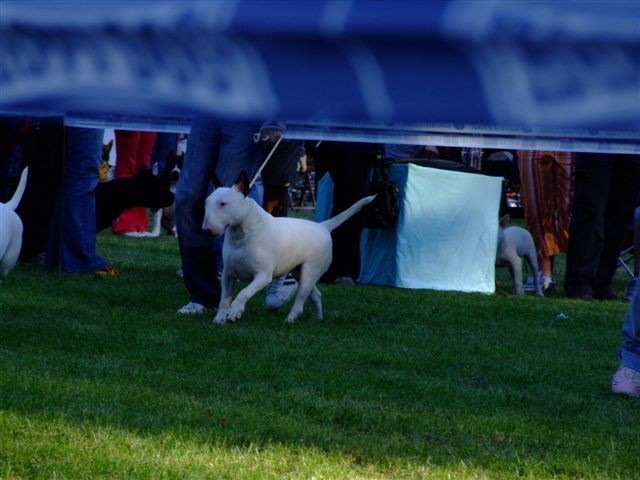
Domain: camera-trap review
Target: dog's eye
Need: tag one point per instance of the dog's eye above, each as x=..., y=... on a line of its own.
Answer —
x=222, y=204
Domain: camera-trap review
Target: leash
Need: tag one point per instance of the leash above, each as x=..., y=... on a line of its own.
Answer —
x=255, y=175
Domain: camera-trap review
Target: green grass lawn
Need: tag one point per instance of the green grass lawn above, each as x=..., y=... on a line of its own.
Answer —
x=99, y=378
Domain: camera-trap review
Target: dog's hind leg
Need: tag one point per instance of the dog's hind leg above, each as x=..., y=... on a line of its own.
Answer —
x=316, y=301
x=532, y=260
x=306, y=286
x=515, y=269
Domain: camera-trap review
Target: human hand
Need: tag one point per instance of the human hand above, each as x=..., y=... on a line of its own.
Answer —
x=272, y=131
x=270, y=134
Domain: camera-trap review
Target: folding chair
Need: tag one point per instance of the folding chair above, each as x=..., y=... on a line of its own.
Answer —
x=624, y=260
x=626, y=256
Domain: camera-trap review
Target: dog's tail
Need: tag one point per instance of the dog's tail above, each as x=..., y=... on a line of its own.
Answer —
x=17, y=196
x=335, y=222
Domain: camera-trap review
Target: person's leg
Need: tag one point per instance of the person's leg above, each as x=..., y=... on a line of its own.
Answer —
x=12, y=133
x=199, y=262
x=126, y=151
x=538, y=185
x=238, y=151
x=44, y=153
x=564, y=173
x=281, y=289
x=145, y=147
x=133, y=150
x=276, y=200
x=72, y=237
x=212, y=147
x=127, y=144
x=634, y=283
x=627, y=379
x=586, y=233
x=619, y=215
x=559, y=193
x=536, y=179
x=164, y=146
x=351, y=183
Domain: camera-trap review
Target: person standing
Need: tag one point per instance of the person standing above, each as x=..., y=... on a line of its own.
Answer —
x=133, y=154
x=546, y=188
x=606, y=186
x=219, y=149
x=71, y=243
x=626, y=380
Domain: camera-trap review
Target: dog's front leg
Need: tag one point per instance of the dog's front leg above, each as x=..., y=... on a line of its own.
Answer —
x=260, y=281
x=227, y=283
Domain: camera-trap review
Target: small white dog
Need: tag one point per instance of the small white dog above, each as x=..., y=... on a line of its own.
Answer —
x=11, y=229
x=515, y=243
x=259, y=247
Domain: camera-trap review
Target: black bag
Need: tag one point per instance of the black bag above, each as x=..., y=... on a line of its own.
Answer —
x=382, y=212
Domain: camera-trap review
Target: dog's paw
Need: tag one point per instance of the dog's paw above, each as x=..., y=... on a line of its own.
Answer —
x=219, y=319
x=292, y=317
x=234, y=313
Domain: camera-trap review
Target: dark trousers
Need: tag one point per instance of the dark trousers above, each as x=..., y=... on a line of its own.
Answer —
x=349, y=166
x=606, y=187
x=43, y=151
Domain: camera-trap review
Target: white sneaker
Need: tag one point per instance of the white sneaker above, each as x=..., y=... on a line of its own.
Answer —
x=280, y=291
x=529, y=286
x=192, y=308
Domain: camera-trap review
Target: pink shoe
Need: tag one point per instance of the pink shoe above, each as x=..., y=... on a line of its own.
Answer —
x=626, y=381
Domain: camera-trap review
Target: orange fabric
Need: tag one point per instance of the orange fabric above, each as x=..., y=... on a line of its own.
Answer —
x=133, y=154
x=547, y=194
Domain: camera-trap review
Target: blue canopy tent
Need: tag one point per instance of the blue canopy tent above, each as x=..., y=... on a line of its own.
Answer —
x=523, y=73
x=529, y=74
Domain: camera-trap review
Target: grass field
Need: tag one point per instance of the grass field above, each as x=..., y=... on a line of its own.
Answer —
x=99, y=378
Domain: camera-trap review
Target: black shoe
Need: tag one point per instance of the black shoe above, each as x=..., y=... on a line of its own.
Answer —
x=580, y=294
x=581, y=291
x=605, y=295
x=585, y=297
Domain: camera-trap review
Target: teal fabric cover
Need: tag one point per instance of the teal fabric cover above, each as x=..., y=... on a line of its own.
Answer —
x=446, y=236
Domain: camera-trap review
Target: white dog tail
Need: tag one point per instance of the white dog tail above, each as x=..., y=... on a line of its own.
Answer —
x=17, y=196
x=335, y=222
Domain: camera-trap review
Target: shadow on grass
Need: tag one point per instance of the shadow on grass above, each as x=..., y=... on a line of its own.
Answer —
x=497, y=382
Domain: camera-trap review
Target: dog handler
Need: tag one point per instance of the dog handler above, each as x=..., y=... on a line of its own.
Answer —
x=214, y=147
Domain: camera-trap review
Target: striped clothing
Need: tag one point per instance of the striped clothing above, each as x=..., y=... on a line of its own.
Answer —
x=547, y=195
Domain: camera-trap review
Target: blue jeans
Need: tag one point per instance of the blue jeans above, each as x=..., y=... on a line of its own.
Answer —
x=225, y=149
x=630, y=351
x=72, y=236
x=164, y=146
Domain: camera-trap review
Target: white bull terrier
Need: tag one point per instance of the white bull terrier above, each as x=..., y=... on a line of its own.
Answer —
x=11, y=229
x=258, y=247
x=515, y=243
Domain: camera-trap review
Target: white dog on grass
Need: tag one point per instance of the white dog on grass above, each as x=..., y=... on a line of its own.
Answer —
x=11, y=229
x=258, y=247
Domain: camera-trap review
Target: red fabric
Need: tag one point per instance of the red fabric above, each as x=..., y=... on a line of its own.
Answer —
x=133, y=154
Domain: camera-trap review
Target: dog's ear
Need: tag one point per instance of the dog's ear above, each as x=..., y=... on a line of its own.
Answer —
x=504, y=221
x=217, y=183
x=242, y=184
